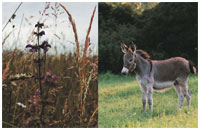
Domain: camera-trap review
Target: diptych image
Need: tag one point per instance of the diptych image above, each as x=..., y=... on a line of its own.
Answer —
x=99, y=65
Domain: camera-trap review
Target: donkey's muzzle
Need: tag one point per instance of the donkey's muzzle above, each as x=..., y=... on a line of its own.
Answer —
x=124, y=71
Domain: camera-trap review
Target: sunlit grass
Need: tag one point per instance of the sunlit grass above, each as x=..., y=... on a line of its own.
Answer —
x=120, y=105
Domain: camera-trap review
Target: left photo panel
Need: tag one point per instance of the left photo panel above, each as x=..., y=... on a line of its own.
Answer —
x=49, y=65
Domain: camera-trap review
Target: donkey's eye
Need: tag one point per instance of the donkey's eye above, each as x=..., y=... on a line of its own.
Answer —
x=130, y=60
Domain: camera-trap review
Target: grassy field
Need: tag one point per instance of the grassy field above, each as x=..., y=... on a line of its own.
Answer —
x=120, y=105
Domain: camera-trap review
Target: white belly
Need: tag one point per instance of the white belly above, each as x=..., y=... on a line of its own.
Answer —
x=162, y=85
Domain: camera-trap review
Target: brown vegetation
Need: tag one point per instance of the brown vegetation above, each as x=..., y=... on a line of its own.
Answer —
x=69, y=91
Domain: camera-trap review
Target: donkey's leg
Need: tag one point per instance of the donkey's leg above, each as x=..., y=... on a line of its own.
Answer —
x=144, y=96
x=180, y=95
x=187, y=94
x=150, y=98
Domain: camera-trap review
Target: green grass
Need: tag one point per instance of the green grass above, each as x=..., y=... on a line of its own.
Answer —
x=120, y=105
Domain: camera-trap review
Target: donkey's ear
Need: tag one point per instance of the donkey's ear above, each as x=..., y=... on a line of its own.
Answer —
x=130, y=50
x=124, y=48
x=134, y=46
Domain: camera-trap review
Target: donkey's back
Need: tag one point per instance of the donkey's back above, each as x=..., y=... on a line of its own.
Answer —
x=170, y=69
x=170, y=72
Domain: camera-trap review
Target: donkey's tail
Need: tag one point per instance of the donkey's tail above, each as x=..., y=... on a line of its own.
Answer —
x=192, y=68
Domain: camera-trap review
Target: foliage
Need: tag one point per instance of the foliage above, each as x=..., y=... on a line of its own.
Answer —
x=164, y=30
x=120, y=105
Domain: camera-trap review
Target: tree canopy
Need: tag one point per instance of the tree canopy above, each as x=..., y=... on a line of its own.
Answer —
x=164, y=30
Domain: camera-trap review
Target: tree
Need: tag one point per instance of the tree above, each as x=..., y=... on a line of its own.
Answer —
x=164, y=30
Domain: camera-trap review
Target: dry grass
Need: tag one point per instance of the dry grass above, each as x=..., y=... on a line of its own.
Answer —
x=64, y=111
x=63, y=99
x=81, y=60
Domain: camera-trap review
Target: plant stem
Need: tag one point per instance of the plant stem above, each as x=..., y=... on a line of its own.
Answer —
x=39, y=74
x=11, y=16
x=13, y=121
x=3, y=122
x=43, y=105
x=90, y=120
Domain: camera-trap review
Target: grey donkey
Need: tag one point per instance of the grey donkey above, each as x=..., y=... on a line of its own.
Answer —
x=157, y=75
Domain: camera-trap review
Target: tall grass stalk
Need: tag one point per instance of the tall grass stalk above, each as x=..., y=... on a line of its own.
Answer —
x=74, y=29
x=91, y=118
x=13, y=121
x=87, y=43
x=12, y=17
x=81, y=60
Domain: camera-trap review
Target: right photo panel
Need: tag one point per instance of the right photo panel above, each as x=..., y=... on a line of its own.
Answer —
x=148, y=64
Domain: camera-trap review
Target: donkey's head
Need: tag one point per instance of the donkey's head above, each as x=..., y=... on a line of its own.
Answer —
x=129, y=59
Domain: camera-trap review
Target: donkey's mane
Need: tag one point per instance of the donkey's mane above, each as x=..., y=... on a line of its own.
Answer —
x=144, y=54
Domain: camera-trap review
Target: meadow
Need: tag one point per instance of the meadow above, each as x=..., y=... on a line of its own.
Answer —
x=120, y=105
x=41, y=90
x=22, y=104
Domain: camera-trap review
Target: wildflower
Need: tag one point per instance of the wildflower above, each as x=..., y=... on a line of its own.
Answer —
x=48, y=75
x=40, y=33
x=52, y=79
x=55, y=78
x=45, y=46
x=38, y=93
x=33, y=48
x=39, y=25
x=36, y=101
x=29, y=45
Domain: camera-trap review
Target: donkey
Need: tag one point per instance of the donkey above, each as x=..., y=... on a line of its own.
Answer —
x=156, y=75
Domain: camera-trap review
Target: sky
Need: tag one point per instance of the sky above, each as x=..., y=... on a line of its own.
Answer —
x=61, y=36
